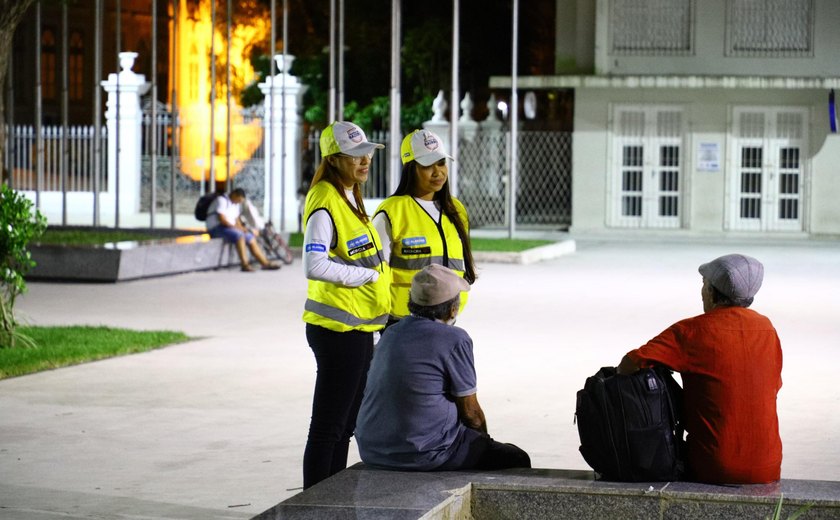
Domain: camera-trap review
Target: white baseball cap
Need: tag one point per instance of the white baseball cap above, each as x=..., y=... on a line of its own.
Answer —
x=423, y=146
x=347, y=138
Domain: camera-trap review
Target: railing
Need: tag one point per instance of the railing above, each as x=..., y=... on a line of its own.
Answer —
x=67, y=162
x=249, y=169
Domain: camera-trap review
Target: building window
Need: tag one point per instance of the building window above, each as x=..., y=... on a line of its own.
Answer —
x=657, y=27
x=770, y=28
x=76, y=66
x=48, y=65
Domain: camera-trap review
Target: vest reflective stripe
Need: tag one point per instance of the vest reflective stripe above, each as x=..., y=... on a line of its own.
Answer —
x=342, y=316
x=417, y=241
x=415, y=264
x=334, y=306
x=371, y=262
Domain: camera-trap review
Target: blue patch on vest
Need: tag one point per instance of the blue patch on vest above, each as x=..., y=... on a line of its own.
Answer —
x=358, y=242
x=321, y=248
x=414, y=241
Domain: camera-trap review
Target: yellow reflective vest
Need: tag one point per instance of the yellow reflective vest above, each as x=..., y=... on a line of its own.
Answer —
x=334, y=306
x=417, y=241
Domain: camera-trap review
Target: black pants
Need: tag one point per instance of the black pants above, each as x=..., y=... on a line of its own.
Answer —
x=343, y=359
x=479, y=451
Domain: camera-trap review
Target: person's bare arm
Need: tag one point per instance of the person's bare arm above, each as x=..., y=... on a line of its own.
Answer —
x=627, y=366
x=470, y=412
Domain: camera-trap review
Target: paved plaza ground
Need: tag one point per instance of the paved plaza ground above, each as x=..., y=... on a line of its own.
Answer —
x=215, y=428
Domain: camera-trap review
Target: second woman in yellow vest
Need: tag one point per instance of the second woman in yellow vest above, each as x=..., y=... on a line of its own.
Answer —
x=421, y=223
x=348, y=297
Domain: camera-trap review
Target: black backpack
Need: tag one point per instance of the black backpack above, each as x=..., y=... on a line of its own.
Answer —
x=630, y=425
x=203, y=205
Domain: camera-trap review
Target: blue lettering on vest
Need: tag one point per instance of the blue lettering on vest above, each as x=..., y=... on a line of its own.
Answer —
x=357, y=242
x=414, y=241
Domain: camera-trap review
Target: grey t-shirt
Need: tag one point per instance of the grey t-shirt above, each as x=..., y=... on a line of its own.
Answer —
x=408, y=417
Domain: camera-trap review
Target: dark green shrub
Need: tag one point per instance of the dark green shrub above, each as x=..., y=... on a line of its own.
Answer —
x=18, y=226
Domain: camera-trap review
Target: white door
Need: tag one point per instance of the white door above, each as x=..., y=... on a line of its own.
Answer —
x=647, y=167
x=767, y=168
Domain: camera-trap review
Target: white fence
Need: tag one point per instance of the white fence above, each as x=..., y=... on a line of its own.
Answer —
x=66, y=163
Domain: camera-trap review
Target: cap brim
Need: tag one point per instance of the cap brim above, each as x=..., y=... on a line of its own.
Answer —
x=431, y=158
x=364, y=149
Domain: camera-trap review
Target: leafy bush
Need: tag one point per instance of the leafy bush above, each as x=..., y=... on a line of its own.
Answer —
x=18, y=225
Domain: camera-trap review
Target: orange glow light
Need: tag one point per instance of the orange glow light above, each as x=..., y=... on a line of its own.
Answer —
x=194, y=88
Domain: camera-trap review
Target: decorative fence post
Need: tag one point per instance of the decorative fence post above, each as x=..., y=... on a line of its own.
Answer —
x=283, y=128
x=492, y=164
x=439, y=125
x=124, y=135
x=467, y=126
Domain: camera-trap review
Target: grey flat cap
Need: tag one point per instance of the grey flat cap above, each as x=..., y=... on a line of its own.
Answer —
x=737, y=276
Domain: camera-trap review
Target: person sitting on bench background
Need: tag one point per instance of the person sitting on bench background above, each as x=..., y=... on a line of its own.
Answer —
x=224, y=221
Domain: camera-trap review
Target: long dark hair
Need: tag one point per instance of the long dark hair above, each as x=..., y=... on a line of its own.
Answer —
x=408, y=180
x=329, y=172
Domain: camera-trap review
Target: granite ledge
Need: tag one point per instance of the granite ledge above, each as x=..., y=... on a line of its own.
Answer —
x=362, y=492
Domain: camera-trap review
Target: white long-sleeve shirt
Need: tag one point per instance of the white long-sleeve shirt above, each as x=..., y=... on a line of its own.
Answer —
x=316, y=261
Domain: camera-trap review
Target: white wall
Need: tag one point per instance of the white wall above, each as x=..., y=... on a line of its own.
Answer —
x=825, y=188
x=707, y=114
x=709, y=56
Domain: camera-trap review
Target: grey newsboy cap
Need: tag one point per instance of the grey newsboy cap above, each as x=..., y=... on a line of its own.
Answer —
x=737, y=276
x=436, y=284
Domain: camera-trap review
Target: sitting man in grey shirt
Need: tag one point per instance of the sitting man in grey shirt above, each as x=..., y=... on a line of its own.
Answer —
x=420, y=410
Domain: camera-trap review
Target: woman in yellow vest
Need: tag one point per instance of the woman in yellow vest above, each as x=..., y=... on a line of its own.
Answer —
x=421, y=223
x=348, y=297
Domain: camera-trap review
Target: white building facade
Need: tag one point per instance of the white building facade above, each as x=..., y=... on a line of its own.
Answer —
x=706, y=117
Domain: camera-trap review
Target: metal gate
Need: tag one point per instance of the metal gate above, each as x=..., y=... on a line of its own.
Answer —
x=544, y=184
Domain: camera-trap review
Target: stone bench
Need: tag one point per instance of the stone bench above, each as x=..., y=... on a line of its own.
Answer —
x=131, y=260
x=361, y=492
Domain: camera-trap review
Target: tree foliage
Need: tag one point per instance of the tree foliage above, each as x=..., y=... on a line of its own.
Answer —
x=425, y=55
x=11, y=13
x=18, y=226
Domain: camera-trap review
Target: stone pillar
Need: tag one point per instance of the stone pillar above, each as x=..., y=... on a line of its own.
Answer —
x=467, y=126
x=124, y=135
x=438, y=123
x=283, y=128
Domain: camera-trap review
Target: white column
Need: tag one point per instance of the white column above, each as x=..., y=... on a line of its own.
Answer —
x=127, y=87
x=283, y=129
x=439, y=124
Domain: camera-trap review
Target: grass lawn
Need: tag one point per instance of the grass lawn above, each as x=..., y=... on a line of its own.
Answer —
x=506, y=245
x=64, y=346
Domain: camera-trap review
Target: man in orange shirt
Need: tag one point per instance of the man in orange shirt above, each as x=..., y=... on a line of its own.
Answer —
x=730, y=360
